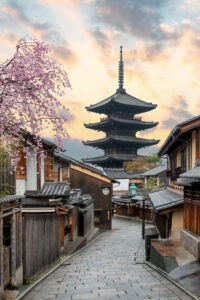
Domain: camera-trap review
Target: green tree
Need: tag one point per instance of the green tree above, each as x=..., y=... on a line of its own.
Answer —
x=5, y=166
x=142, y=163
x=152, y=184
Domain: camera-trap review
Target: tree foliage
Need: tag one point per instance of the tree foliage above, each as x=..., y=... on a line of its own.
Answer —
x=142, y=164
x=153, y=159
x=30, y=84
x=152, y=184
x=5, y=163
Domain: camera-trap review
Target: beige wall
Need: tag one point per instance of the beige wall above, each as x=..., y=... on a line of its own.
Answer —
x=177, y=223
x=193, y=148
x=178, y=158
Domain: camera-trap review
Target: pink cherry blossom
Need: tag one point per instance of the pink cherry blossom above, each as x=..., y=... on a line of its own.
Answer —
x=30, y=84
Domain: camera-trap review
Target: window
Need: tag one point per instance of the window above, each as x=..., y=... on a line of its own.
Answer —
x=49, y=166
x=183, y=160
x=21, y=167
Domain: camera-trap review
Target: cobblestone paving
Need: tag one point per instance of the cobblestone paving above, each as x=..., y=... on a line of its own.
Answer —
x=111, y=268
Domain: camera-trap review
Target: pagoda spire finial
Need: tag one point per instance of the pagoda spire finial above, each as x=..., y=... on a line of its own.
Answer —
x=121, y=73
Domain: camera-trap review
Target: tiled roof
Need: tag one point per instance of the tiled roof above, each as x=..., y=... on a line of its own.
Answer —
x=80, y=163
x=155, y=171
x=104, y=158
x=130, y=122
x=172, y=136
x=118, y=173
x=11, y=198
x=52, y=189
x=125, y=139
x=165, y=198
x=193, y=173
x=124, y=99
x=55, y=189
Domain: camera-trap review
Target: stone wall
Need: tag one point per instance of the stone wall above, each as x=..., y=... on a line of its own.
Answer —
x=191, y=242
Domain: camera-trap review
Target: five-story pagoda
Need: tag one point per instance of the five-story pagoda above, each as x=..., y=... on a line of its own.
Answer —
x=120, y=126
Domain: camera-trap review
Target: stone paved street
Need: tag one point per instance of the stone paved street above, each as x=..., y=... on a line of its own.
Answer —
x=110, y=268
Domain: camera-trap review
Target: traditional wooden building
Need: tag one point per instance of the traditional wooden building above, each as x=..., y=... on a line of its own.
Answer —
x=159, y=172
x=167, y=212
x=120, y=126
x=11, y=267
x=32, y=173
x=182, y=148
x=190, y=235
x=91, y=181
x=48, y=223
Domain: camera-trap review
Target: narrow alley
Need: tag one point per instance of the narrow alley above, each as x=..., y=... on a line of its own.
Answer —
x=110, y=268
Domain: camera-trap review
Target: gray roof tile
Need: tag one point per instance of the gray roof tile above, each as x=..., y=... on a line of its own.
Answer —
x=155, y=171
x=118, y=173
x=11, y=198
x=193, y=173
x=165, y=198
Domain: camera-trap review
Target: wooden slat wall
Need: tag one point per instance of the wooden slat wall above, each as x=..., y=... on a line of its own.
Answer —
x=41, y=242
x=93, y=186
x=192, y=209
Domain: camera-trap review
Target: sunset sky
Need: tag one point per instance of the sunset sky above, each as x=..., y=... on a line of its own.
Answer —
x=161, y=42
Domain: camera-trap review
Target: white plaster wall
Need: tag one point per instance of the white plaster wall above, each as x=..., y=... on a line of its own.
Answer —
x=31, y=171
x=177, y=224
x=42, y=172
x=20, y=186
x=55, y=165
x=123, y=186
x=60, y=174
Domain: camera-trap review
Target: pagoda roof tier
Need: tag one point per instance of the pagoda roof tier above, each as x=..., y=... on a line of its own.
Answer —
x=134, y=124
x=128, y=141
x=105, y=160
x=121, y=102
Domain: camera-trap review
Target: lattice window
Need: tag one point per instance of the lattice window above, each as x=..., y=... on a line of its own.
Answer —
x=21, y=167
x=49, y=166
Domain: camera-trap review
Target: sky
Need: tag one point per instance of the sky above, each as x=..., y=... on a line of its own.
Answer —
x=161, y=50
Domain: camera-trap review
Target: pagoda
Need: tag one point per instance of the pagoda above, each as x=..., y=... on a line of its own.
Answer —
x=120, y=143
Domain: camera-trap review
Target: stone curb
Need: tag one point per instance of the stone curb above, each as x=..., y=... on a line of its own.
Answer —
x=164, y=274
x=24, y=293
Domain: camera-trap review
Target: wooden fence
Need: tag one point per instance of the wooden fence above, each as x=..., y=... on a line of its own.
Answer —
x=41, y=242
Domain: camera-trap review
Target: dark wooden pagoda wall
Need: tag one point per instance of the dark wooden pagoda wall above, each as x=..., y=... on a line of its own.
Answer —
x=192, y=209
x=93, y=186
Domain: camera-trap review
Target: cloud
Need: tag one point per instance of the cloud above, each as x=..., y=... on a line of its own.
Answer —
x=42, y=29
x=66, y=113
x=101, y=39
x=179, y=112
x=140, y=18
x=64, y=53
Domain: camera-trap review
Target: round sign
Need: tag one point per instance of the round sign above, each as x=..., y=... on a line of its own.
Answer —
x=106, y=191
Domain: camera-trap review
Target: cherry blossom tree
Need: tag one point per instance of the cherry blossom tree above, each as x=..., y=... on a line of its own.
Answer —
x=31, y=83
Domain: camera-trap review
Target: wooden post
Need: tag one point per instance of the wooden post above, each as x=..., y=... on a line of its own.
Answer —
x=20, y=234
x=1, y=246
x=13, y=246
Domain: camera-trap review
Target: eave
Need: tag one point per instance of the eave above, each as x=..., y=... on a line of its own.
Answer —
x=121, y=102
x=132, y=123
x=126, y=140
x=178, y=132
